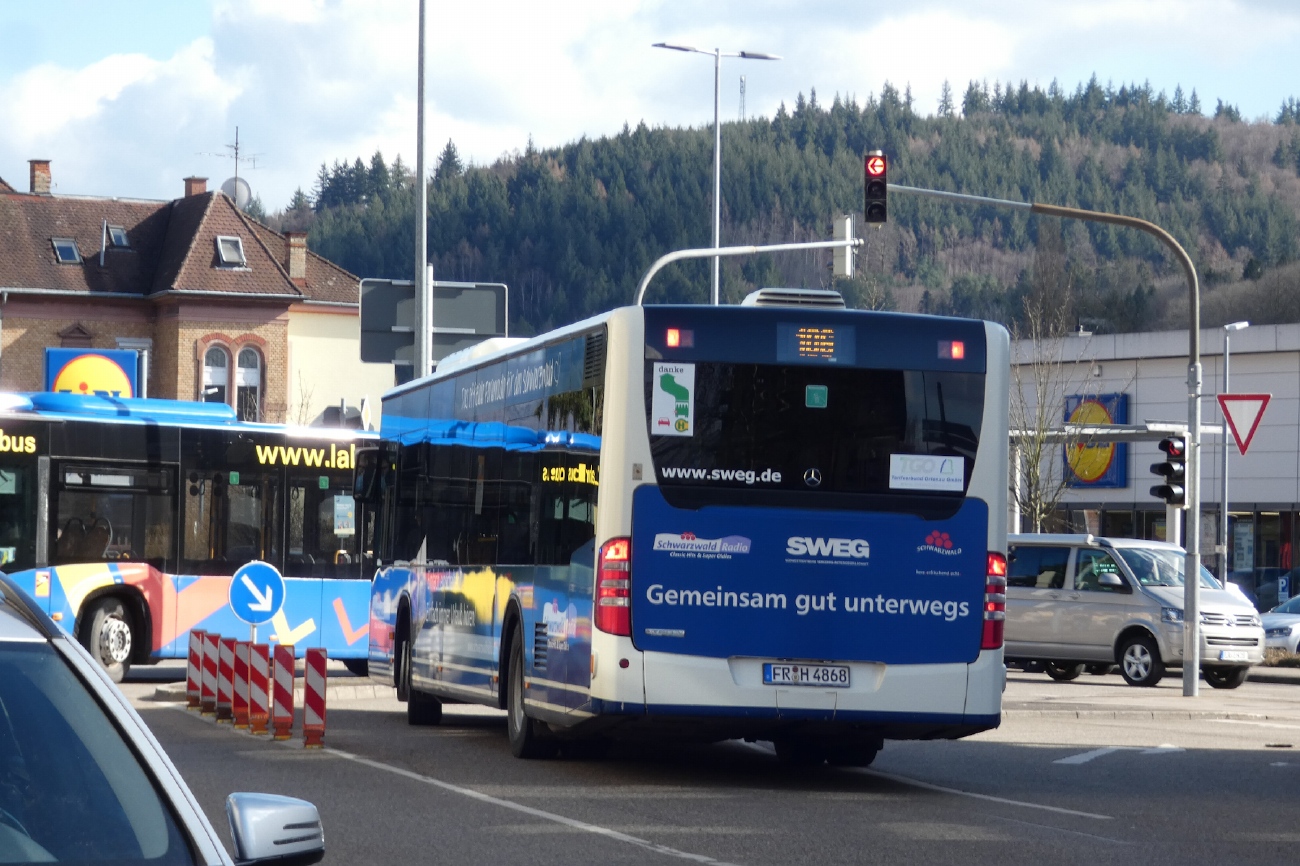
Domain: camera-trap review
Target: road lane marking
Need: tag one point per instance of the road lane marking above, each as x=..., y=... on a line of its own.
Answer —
x=529, y=810
x=903, y=780
x=1061, y=830
x=1085, y=757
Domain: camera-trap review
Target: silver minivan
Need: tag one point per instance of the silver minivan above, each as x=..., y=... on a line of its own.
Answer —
x=1083, y=601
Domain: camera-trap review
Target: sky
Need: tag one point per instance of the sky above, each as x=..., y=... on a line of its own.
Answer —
x=128, y=98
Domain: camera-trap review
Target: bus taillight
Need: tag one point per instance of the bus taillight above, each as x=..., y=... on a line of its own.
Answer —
x=995, y=602
x=614, y=587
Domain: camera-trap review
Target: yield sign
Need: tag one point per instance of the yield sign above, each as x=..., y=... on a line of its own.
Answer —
x=1243, y=412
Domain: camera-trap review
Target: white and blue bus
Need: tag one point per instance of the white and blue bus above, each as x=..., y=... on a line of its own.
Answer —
x=775, y=523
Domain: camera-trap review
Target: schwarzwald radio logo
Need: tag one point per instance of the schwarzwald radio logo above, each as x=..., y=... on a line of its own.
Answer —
x=940, y=543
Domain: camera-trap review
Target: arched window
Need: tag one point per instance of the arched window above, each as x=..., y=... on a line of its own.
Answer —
x=216, y=375
x=248, y=385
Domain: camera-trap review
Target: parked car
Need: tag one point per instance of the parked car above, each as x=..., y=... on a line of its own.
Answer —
x=1282, y=626
x=1263, y=585
x=82, y=778
x=1076, y=601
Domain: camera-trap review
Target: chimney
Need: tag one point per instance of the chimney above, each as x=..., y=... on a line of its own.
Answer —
x=195, y=186
x=296, y=248
x=40, y=173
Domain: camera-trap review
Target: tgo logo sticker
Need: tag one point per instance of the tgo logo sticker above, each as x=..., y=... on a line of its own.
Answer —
x=923, y=472
x=846, y=550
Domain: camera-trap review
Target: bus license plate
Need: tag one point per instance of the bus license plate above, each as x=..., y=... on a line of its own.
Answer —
x=1233, y=655
x=834, y=676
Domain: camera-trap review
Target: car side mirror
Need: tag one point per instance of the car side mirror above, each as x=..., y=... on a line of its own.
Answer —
x=1111, y=579
x=267, y=827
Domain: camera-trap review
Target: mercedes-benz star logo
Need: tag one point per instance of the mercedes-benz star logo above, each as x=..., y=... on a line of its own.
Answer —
x=812, y=477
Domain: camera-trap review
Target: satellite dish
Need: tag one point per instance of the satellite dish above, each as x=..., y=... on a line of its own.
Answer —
x=238, y=191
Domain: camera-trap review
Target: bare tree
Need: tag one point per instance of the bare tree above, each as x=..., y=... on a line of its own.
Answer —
x=1047, y=366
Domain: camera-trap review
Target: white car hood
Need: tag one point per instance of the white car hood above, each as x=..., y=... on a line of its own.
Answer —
x=1217, y=600
x=1273, y=620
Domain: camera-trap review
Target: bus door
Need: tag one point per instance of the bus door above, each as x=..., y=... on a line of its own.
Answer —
x=24, y=509
x=114, y=523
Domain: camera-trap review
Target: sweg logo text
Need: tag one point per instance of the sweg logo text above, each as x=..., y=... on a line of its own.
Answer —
x=840, y=548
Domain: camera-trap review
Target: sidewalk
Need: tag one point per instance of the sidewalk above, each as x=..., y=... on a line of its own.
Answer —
x=1264, y=696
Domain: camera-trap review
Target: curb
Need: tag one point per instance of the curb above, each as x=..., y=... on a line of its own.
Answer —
x=340, y=692
x=1145, y=715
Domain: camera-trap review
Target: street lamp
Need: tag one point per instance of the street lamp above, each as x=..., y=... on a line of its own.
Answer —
x=1223, y=503
x=717, y=139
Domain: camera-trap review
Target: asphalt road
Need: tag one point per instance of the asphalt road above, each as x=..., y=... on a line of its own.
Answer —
x=1089, y=772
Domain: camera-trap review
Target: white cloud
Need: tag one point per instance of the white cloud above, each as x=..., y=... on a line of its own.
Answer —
x=312, y=81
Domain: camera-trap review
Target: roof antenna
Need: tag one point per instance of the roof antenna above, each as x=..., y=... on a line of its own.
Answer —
x=236, y=188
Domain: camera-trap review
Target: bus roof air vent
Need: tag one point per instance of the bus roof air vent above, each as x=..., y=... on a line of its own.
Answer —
x=818, y=298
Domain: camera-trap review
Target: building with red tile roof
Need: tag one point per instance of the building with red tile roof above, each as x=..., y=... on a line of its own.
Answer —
x=217, y=305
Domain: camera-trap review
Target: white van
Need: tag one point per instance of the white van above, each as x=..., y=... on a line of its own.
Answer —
x=1076, y=601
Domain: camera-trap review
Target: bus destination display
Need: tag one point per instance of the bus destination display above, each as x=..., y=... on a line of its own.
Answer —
x=828, y=343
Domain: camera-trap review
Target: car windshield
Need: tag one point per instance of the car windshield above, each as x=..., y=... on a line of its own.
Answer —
x=71, y=788
x=1292, y=606
x=1160, y=567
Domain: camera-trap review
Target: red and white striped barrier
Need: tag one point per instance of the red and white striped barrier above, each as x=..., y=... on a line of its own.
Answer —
x=259, y=670
x=225, y=678
x=208, y=676
x=282, y=693
x=313, y=700
x=239, y=697
x=194, y=671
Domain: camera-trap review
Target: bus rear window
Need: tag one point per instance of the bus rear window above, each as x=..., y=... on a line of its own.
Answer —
x=812, y=430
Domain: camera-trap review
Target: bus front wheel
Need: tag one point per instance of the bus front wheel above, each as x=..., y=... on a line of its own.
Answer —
x=108, y=636
x=526, y=741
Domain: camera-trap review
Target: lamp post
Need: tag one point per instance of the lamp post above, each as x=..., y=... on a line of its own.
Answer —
x=717, y=140
x=1223, y=503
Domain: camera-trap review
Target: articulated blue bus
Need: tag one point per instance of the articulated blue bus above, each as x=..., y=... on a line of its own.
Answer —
x=767, y=522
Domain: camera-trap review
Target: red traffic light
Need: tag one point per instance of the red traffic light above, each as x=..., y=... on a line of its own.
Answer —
x=875, y=166
x=1174, y=448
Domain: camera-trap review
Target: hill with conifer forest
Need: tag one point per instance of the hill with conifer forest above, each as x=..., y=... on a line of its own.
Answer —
x=572, y=229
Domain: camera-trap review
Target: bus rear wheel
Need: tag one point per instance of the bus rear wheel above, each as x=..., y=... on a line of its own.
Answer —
x=108, y=636
x=526, y=741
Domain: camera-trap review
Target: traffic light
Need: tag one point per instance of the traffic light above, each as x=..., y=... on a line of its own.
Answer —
x=1173, y=491
x=875, y=168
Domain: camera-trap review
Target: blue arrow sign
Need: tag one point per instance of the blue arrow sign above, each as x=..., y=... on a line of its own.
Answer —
x=256, y=592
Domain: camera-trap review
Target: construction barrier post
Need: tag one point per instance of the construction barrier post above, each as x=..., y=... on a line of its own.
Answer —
x=239, y=697
x=282, y=693
x=194, y=671
x=208, y=676
x=259, y=669
x=313, y=700
x=225, y=678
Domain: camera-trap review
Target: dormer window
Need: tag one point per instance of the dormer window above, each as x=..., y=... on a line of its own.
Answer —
x=65, y=250
x=117, y=237
x=230, y=251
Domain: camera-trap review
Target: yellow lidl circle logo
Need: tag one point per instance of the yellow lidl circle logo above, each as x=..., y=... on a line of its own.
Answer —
x=1089, y=461
x=93, y=374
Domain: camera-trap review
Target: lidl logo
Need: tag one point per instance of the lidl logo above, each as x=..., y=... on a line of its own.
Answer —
x=109, y=372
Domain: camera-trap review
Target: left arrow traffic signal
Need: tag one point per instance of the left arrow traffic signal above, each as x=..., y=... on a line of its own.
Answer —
x=876, y=187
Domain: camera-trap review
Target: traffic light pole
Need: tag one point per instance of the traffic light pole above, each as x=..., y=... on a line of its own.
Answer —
x=1192, y=567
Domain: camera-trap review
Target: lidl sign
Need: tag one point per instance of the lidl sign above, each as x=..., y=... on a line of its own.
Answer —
x=107, y=372
x=1096, y=464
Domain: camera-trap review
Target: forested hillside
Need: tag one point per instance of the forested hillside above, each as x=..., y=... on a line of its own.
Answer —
x=572, y=229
